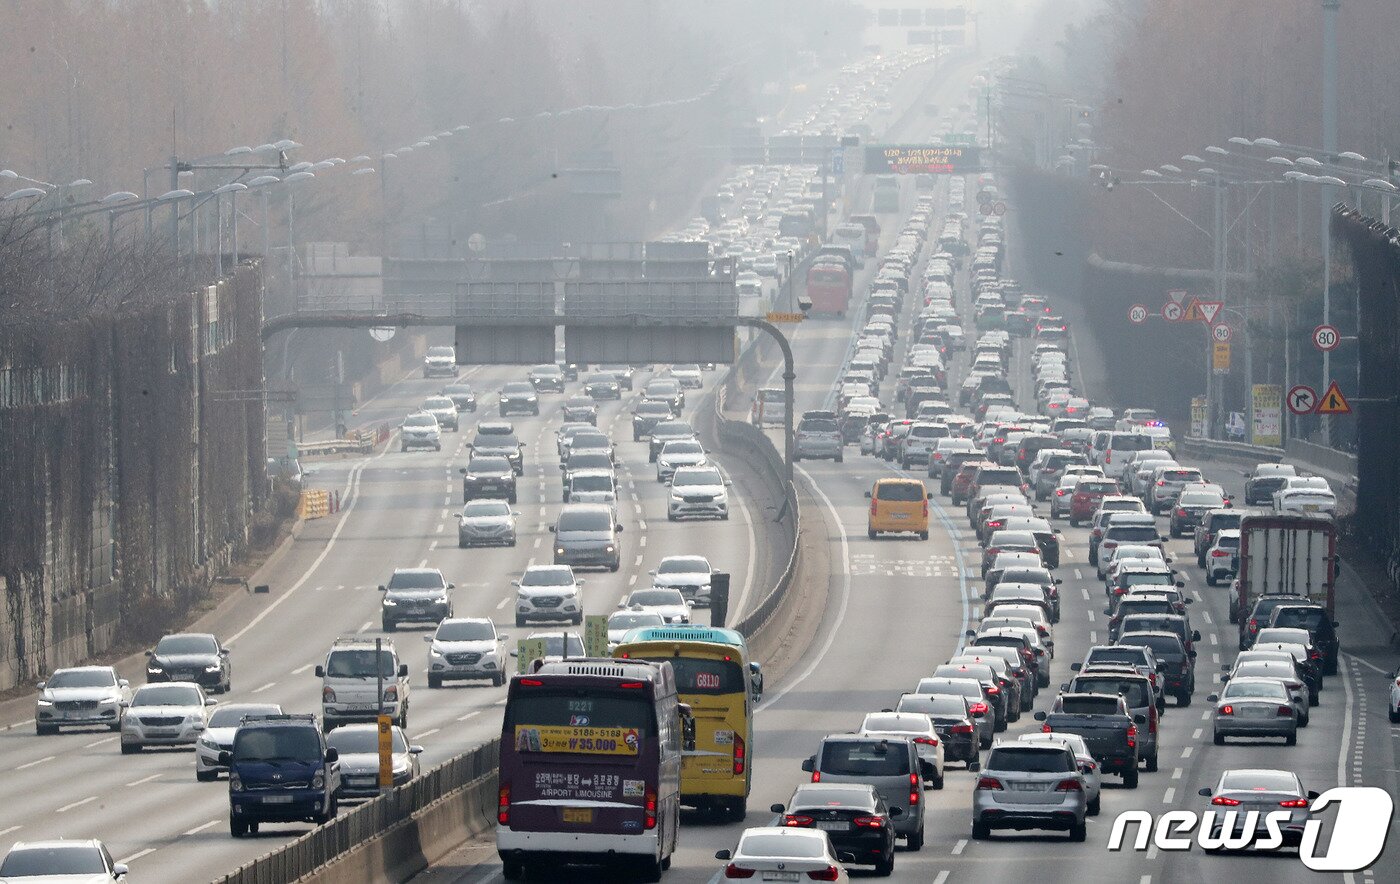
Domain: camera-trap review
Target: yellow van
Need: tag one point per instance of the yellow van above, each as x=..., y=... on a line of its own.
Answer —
x=898, y=506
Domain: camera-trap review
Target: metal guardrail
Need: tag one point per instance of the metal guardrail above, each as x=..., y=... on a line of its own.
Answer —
x=1232, y=450
x=325, y=843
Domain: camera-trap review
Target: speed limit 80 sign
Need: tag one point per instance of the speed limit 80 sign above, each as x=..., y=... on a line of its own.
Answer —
x=1326, y=338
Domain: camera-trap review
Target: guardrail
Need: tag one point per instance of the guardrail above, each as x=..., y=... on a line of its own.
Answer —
x=1221, y=450
x=358, y=442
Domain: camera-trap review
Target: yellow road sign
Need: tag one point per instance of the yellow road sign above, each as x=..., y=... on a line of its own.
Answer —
x=1333, y=402
x=784, y=317
x=1220, y=356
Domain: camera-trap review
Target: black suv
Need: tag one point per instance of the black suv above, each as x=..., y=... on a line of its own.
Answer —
x=462, y=396
x=1320, y=626
x=519, y=396
x=415, y=595
x=647, y=415
x=488, y=475
x=280, y=771
x=499, y=440
x=192, y=656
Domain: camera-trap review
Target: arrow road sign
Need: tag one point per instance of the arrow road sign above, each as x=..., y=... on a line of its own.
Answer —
x=1326, y=338
x=1221, y=332
x=1333, y=402
x=1302, y=399
x=1137, y=314
x=1172, y=311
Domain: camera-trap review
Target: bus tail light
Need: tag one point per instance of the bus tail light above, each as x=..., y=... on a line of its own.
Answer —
x=740, y=755
x=503, y=805
x=650, y=807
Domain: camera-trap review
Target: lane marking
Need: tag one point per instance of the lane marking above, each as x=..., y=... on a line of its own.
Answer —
x=1079, y=575
x=1344, y=671
x=960, y=847
x=427, y=733
x=263, y=688
x=1169, y=795
x=502, y=603
x=469, y=715
x=1187, y=750
x=364, y=627
x=300, y=669
x=95, y=743
x=36, y=762
x=137, y=855
x=144, y=780
x=200, y=828
x=4, y=832
x=1177, y=772
x=79, y=803
x=942, y=877
x=1196, y=734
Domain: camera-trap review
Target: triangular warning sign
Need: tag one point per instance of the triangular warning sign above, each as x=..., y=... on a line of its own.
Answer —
x=1333, y=402
x=1193, y=312
x=1208, y=310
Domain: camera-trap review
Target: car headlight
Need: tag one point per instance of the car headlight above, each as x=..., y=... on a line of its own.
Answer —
x=319, y=780
x=400, y=771
x=154, y=667
x=434, y=652
x=390, y=603
x=235, y=783
x=559, y=550
x=44, y=703
x=207, y=743
x=214, y=667
x=610, y=548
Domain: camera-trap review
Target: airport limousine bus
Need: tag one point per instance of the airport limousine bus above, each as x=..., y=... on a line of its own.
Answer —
x=590, y=767
x=721, y=686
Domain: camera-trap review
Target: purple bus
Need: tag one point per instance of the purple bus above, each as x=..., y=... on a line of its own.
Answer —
x=590, y=769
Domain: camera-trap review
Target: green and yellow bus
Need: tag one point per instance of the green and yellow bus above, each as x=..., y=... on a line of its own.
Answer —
x=715, y=676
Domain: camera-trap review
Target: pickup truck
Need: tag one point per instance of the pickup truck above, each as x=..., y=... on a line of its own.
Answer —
x=1108, y=730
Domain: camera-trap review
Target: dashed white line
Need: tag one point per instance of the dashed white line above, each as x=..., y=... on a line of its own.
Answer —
x=1079, y=575
x=502, y=603
x=128, y=860
x=960, y=847
x=200, y=828
x=440, y=529
x=96, y=743
x=1206, y=616
x=300, y=669
x=79, y=803
x=364, y=627
x=4, y=832
x=1196, y=734
x=36, y=762
x=1169, y=796
x=638, y=562
x=259, y=690
x=469, y=715
x=632, y=581
x=538, y=542
x=427, y=733
x=642, y=541
x=144, y=780
x=1177, y=772
x=1187, y=750
x=942, y=877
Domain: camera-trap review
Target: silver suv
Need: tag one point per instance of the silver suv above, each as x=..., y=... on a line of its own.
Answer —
x=465, y=648
x=548, y=592
x=819, y=436
x=1030, y=786
x=890, y=764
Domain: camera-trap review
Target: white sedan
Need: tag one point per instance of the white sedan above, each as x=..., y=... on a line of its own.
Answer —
x=669, y=603
x=774, y=853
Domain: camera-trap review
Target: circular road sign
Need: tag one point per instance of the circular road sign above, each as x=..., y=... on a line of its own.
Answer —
x=1137, y=314
x=1326, y=338
x=1302, y=399
x=476, y=242
x=382, y=333
x=999, y=208
x=1172, y=311
x=1221, y=332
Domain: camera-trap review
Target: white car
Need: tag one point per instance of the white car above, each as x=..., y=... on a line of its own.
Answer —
x=465, y=648
x=218, y=736
x=79, y=697
x=548, y=592
x=440, y=361
x=915, y=725
x=689, y=574
x=442, y=408
x=420, y=430
x=688, y=376
x=697, y=492
x=1088, y=765
x=777, y=852
x=622, y=622
x=483, y=522
x=1305, y=500
x=676, y=454
x=71, y=862
x=172, y=713
x=669, y=603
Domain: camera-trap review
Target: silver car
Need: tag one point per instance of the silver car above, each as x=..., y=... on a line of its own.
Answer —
x=442, y=408
x=80, y=697
x=689, y=574
x=677, y=454
x=1255, y=707
x=168, y=714
x=819, y=436
x=486, y=523
x=1264, y=791
x=420, y=430
x=914, y=725
x=465, y=648
x=358, y=746
x=1030, y=786
x=1088, y=766
x=548, y=592
x=218, y=736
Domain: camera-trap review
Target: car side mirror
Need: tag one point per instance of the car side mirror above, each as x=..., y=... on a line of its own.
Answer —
x=1336, y=623
x=809, y=764
x=428, y=639
x=1195, y=635
x=225, y=758
x=150, y=653
x=928, y=496
x=415, y=750
x=1181, y=584
x=403, y=670
x=974, y=765
x=1108, y=611
x=1040, y=716
x=619, y=529
x=320, y=672
x=1139, y=719
x=332, y=755
x=1224, y=678
x=462, y=470
x=1192, y=653
x=1064, y=686
x=40, y=685
x=1058, y=581
x=1212, y=698
x=867, y=495
x=210, y=701
x=724, y=854
x=1164, y=538
x=1204, y=793
x=551, y=531
x=383, y=588
x=1075, y=667
x=121, y=682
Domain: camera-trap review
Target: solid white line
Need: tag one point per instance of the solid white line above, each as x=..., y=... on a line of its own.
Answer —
x=145, y=780
x=352, y=497
x=126, y=861
x=67, y=807
x=200, y=828
x=36, y=762
x=4, y=832
x=263, y=688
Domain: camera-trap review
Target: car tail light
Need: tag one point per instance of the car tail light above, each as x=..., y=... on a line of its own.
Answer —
x=733, y=871
x=1294, y=802
x=993, y=690
x=869, y=822
x=830, y=873
x=1059, y=492
x=1218, y=554
x=914, y=789
x=1070, y=785
x=1132, y=735
x=1223, y=801
x=873, y=508
x=1294, y=685
x=1314, y=655
x=990, y=783
x=1227, y=710
x=1161, y=483
x=1046, y=729
x=1253, y=625
x=741, y=756
x=925, y=508
x=1152, y=677
x=993, y=551
x=1152, y=718
x=797, y=820
x=650, y=808
x=1283, y=711
x=926, y=741
x=960, y=729
x=503, y=805
x=816, y=776
x=1181, y=512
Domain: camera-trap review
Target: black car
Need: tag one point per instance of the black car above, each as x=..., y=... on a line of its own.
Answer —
x=519, y=397
x=461, y=395
x=665, y=390
x=952, y=719
x=419, y=595
x=603, y=385
x=1320, y=626
x=505, y=445
x=854, y=816
x=647, y=416
x=1178, y=664
x=549, y=378
x=1259, y=490
x=623, y=373
x=1191, y=507
x=667, y=431
x=191, y=656
x=1252, y=620
x=488, y=476
x=581, y=408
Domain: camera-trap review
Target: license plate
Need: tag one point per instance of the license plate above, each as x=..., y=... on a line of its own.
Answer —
x=1026, y=787
x=780, y=876
x=899, y=515
x=578, y=814
x=361, y=707
x=833, y=825
x=277, y=799
x=1255, y=712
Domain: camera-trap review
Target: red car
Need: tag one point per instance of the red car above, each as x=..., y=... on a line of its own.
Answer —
x=1087, y=495
x=962, y=482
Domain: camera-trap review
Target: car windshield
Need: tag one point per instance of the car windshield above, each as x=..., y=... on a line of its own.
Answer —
x=1136, y=693
x=232, y=716
x=684, y=565
x=1200, y=498
x=696, y=477
x=484, y=465
x=933, y=704
x=893, y=724
x=1029, y=760
x=442, y=351
x=584, y=521
x=554, y=644
x=865, y=758
x=359, y=664
x=187, y=644
x=417, y=580
x=591, y=483
x=1131, y=532
x=1116, y=655
x=1259, y=781
x=548, y=577
x=656, y=597
x=277, y=744
x=634, y=620
x=438, y=403
x=1162, y=645
x=1096, y=488
x=84, y=678
x=465, y=631
x=167, y=695
x=1088, y=705
x=901, y=492
x=495, y=440
x=1273, y=690
x=683, y=447
x=482, y=508
x=1301, y=618
x=77, y=859
x=802, y=847
x=662, y=388
x=653, y=409
x=362, y=740
x=818, y=425
x=420, y=420
x=518, y=387
x=814, y=796
x=457, y=389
